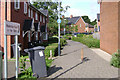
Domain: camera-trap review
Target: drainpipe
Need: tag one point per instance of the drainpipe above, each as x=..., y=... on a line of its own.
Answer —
x=29, y=36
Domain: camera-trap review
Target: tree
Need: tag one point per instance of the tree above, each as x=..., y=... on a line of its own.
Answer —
x=86, y=19
x=52, y=11
x=94, y=22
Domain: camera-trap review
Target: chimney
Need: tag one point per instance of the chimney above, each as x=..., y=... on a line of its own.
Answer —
x=71, y=16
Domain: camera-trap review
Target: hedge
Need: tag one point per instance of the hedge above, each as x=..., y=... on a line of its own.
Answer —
x=88, y=40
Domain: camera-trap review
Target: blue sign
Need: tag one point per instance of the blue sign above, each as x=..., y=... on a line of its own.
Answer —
x=59, y=21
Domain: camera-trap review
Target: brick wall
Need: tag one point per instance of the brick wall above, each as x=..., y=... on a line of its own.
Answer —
x=19, y=17
x=109, y=26
x=82, y=28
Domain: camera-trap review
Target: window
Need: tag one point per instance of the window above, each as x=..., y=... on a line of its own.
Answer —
x=29, y=12
x=36, y=16
x=80, y=25
x=25, y=7
x=17, y=4
x=43, y=19
x=40, y=18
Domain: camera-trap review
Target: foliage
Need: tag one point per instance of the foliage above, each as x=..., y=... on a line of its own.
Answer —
x=26, y=73
x=80, y=35
x=115, y=60
x=87, y=20
x=63, y=42
x=67, y=36
x=88, y=40
x=94, y=22
x=52, y=11
x=76, y=28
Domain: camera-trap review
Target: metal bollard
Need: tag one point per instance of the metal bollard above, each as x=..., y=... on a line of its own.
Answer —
x=82, y=54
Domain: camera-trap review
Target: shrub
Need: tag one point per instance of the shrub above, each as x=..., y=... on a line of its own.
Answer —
x=115, y=60
x=63, y=42
x=90, y=42
x=80, y=35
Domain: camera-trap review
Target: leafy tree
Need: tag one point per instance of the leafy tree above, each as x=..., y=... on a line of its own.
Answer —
x=52, y=11
x=94, y=22
x=86, y=19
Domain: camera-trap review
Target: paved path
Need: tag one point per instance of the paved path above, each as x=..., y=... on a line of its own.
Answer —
x=69, y=65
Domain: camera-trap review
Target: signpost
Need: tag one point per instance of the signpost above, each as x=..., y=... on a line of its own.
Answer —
x=11, y=28
x=59, y=21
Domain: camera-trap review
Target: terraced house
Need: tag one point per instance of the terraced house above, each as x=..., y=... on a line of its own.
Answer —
x=83, y=27
x=33, y=23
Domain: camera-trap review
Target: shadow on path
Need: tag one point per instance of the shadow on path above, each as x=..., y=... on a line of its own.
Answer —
x=53, y=69
x=84, y=60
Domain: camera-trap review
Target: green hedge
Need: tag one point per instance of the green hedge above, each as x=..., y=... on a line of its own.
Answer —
x=54, y=48
x=115, y=60
x=88, y=40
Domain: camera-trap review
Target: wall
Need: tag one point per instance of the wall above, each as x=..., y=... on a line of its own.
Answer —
x=14, y=16
x=109, y=26
x=82, y=28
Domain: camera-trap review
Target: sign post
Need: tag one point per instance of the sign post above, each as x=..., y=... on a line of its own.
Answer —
x=11, y=28
x=59, y=21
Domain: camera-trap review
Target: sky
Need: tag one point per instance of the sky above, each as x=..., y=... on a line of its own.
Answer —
x=81, y=8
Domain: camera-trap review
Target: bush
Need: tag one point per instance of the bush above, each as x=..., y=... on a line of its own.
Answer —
x=63, y=42
x=67, y=36
x=115, y=60
x=80, y=35
x=90, y=42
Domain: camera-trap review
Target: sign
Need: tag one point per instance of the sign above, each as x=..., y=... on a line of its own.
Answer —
x=41, y=53
x=12, y=28
x=59, y=21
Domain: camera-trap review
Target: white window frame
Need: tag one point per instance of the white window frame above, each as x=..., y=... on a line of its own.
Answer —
x=29, y=12
x=36, y=16
x=40, y=18
x=25, y=7
x=15, y=4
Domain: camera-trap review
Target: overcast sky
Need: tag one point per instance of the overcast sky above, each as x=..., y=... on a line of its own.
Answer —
x=82, y=7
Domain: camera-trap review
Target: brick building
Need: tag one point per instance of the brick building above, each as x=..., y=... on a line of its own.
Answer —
x=33, y=23
x=110, y=26
x=82, y=25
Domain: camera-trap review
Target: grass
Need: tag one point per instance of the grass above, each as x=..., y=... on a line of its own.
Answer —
x=88, y=40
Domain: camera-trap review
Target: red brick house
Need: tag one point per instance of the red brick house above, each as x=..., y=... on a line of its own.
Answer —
x=33, y=23
x=82, y=25
x=110, y=26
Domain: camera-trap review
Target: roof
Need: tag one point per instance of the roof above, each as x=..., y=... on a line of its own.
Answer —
x=98, y=17
x=27, y=25
x=36, y=9
x=45, y=12
x=72, y=20
x=89, y=25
